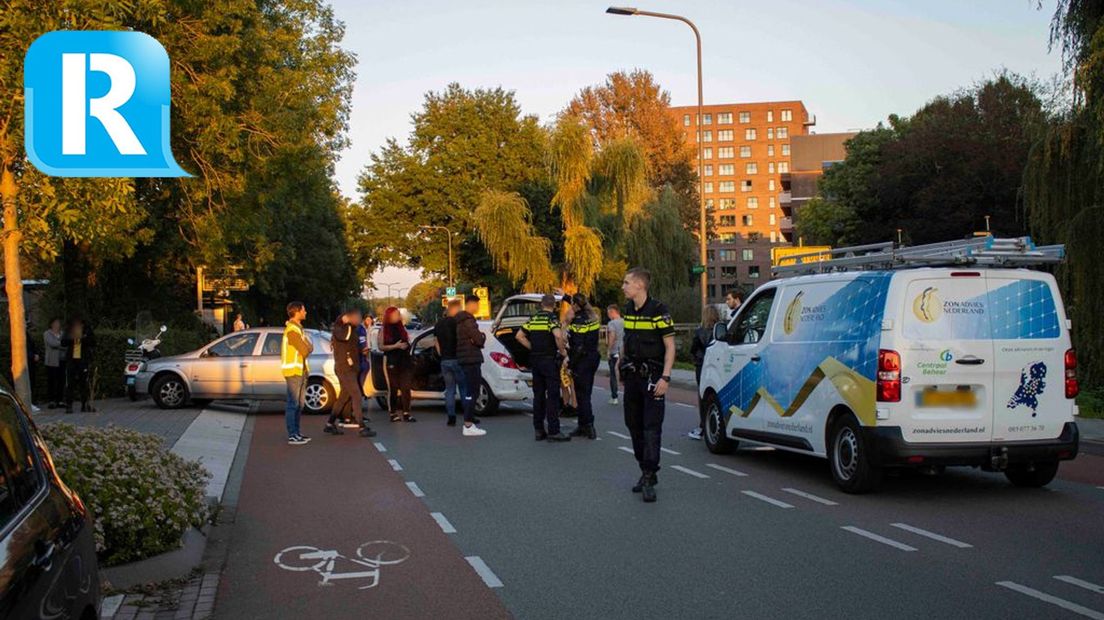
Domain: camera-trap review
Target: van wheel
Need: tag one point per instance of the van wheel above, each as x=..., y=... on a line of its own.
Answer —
x=1032, y=474
x=485, y=401
x=318, y=397
x=849, y=457
x=715, y=438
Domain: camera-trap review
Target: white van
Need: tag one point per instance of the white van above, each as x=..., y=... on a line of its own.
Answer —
x=902, y=367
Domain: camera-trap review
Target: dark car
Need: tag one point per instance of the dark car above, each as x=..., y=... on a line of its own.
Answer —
x=48, y=565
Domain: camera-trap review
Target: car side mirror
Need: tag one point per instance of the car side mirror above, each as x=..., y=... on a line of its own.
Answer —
x=164, y=329
x=720, y=331
x=130, y=341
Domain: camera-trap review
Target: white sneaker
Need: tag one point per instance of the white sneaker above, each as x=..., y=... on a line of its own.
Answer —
x=695, y=434
x=473, y=431
x=35, y=409
x=613, y=400
x=297, y=441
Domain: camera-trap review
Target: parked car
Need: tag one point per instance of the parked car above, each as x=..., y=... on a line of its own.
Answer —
x=506, y=374
x=48, y=566
x=243, y=365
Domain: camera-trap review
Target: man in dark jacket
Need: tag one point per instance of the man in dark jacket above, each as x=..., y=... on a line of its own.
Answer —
x=80, y=344
x=469, y=351
x=346, y=352
x=451, y=370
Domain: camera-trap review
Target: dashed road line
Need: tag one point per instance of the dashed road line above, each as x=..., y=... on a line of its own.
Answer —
x=670, y=451
x=446, y=527
x=1053, y=600
x=624, y=449
x=484, y=571
x=394, y=464
x=621, y=435
x=769, y=500
x=687, y=470
x=685, y=405
x=734, y=472
x=810, y=496
x=380, y=447
x=932, y=535
x=1092, y=587
x=413, y=486
x=882, y=539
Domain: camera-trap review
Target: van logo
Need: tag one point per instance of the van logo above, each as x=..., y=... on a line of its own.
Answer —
x=946, y=355
x=1031, y=387
x=789, y=321
x=928, y=306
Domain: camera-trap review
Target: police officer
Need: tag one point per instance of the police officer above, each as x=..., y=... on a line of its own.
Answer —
x=544, y=339
x=646, y=365
x=583, y=360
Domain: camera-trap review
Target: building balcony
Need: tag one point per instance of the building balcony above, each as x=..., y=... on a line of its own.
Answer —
x=786, y=225
x=785, y=198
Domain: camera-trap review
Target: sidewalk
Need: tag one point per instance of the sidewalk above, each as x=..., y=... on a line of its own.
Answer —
x=1091, y=429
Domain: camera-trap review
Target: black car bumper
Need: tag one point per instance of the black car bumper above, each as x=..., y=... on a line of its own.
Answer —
x=888, y=448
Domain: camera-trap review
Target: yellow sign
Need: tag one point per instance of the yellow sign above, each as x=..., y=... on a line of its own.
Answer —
x=484, y=302
x=786, y=256
x=446, y=298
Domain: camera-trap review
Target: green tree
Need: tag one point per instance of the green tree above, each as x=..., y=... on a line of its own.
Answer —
x=656, y=242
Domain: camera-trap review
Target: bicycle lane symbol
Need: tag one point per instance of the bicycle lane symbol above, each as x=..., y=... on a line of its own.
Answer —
x=370, y=557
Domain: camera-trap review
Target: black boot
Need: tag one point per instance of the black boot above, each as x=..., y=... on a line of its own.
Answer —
x=559, y=437
x=649, y=489
x=541, y=435
x=580, y=431
x=645, y=478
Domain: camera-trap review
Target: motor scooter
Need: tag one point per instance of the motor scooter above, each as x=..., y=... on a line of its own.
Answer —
x=136, y=359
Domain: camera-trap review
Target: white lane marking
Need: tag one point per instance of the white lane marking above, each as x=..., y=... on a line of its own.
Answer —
x=413, y=486
x=624, y=449
x=810, y=496
x=670, y=451
x=726, y=470
x=1092, y=587
x=686, y=470
x=621, y=435
x=484, y=571
x=446, y=527
x=528, y=414
x=877, y=538
x=932, y=535
x=685, y=405
x=769, y=500
x=395, y=464
x=1053, y=600
x=380, y=447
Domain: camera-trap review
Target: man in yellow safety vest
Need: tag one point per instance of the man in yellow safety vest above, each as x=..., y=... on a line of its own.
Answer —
x=295, y=347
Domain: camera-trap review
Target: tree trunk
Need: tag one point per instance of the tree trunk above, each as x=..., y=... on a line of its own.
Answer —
x=14, y=288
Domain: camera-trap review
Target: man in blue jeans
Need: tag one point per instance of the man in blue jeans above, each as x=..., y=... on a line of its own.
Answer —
x=295, y=347
x=451, y=371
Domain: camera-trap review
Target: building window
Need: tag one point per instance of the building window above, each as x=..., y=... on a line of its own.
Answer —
x=753, y=272
x=726, y=152
x=745, y=151
x=745, y=117
x=745, y=185
x=708, y=204
x=748, y=255
x=709, y=188
x=751, y=168
x=787, y=116
x=728, y=203
x=729, y=272
x=770, y=133
x=752, y=203
x=749, y=134
x=783, y=133
x=772, y=202
x=774, y=237
x=707, y=153
x=724, y=135
x=727, y=169
x=785, y=150
x=770, y=185
x=708, y=119
x=685, y=120
x=747, y=221
x=707, y=136
x=712, y=288
x=728, y=255
x=709, y=170
x=770, y=168
x=770, y=116
x=728, y=220
x=773, y=221
x=770, y=150
x=727, y=238
x=711, y=256
x=728, y=186
x=724, y=118
x=783, y=167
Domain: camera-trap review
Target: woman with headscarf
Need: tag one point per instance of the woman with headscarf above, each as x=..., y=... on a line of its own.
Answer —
x=395, y=344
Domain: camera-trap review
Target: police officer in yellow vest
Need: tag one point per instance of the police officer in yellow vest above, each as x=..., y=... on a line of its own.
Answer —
x=295, y=347
x=583, y=360
x=544, y=339
x=646, y=370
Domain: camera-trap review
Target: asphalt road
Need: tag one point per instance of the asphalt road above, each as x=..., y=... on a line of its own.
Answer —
x=756, y=534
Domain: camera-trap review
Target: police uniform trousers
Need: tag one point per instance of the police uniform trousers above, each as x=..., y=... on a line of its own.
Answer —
x=546, y=393
x=644, y=416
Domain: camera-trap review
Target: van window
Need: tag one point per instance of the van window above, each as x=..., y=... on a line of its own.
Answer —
x=974, y=309
x=835, y=311
x=19, y=477
x=751, y=323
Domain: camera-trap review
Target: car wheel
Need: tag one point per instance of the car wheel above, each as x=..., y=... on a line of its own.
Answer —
x=1032, y=474
x=318, y=397
x=716, y=438
x=169, y=392
x=850, y=458
x=485, y=402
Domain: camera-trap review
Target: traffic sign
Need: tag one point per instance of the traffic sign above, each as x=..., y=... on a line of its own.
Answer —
x=698, y=269
x=450, y=291
x=484, y=302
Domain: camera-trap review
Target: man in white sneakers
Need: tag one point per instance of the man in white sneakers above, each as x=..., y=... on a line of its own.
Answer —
x=469, y=351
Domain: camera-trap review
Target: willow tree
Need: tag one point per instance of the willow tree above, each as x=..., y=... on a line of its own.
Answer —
x=1064, y=179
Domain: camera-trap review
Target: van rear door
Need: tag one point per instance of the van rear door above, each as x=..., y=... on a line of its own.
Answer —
x=1031, y=342
x=947, y=358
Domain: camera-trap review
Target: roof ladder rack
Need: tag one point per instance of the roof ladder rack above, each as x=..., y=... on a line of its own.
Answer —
x=987, y=251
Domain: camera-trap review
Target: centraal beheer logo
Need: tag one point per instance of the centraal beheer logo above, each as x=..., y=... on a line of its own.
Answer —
x=97, y=105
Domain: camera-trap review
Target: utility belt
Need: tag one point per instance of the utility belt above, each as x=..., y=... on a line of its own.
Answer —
x=642, y=369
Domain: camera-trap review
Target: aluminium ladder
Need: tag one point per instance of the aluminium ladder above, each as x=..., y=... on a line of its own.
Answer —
x=985, y=251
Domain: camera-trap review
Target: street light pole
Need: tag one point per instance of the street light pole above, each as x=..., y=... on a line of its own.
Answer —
x=702, y=241
x=388, y=285
x=449, y=232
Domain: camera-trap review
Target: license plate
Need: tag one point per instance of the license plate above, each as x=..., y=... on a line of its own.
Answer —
x=955, y=398
x=130, y=380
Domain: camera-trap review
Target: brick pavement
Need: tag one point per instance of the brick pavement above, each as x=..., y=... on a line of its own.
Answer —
x=142, y=416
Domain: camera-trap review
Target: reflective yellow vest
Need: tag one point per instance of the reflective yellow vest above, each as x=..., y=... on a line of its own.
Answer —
x=291, y=362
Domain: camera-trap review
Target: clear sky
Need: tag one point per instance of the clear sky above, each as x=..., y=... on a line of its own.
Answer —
x=852, y=62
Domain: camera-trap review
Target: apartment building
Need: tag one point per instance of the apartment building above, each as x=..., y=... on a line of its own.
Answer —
x=810, y=156
x=747, y=149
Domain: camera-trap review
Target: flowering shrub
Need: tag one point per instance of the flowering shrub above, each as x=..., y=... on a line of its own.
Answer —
x=143, y=497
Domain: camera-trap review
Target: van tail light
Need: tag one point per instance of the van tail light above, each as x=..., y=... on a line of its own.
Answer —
x=504, y=360
x=889, y=376
x=1072, y=387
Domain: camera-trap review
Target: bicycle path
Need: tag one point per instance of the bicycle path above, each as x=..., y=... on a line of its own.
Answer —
x=335, y=494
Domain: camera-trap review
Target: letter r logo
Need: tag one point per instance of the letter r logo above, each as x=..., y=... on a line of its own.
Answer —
x=97, y=105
